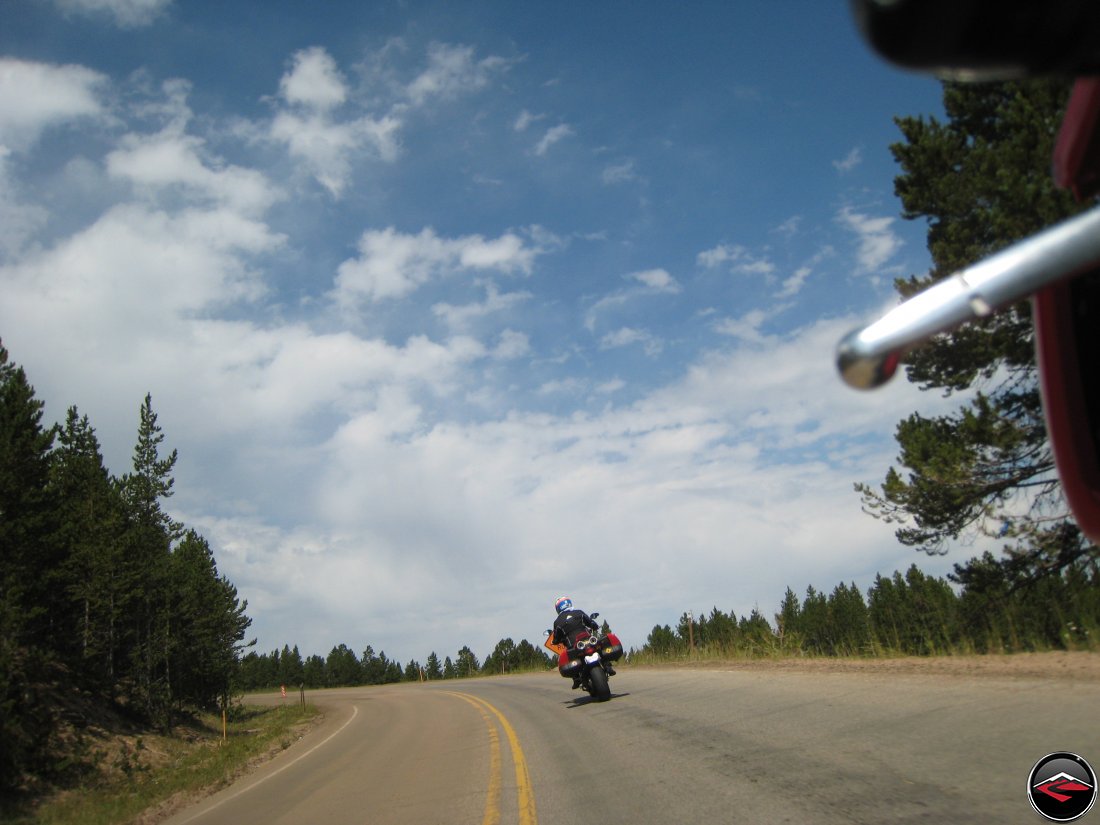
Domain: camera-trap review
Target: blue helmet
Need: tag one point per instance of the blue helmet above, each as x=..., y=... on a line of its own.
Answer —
x=563, y=603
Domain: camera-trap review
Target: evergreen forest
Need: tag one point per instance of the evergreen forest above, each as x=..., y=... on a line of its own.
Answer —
x=102, y=594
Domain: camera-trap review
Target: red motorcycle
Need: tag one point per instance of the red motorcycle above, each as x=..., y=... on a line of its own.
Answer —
x=587, y=656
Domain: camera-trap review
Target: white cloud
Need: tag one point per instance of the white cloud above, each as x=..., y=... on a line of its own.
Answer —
x=452, y=71
x=720, y=254
x=18, y=221
x=525, y=119
x=715, y=454
x=878, y=243
x=627, y=336
x=392, y=264
x=619, y=173
x=793, y=285
x=789, y=228
x=128, y=14
x=37, y=96
x=144, y=266
x=658, y=280
x=746, y=328
x=313, y=81
x=327, y=148
x=167, y=159
x=650, y=282
x=564, y=385
x=552, y=136
x=460, y=317
x=738, y=257
x=512, y=344
x=853, y=159
x=312, y=89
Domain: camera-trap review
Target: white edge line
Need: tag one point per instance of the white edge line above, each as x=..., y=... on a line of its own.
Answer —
x=258, y=782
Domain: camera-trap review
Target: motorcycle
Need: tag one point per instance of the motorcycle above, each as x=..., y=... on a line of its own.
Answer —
x=587, y=655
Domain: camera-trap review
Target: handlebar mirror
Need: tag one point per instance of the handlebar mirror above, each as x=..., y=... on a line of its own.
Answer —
x=595, y=615
x=984, y=39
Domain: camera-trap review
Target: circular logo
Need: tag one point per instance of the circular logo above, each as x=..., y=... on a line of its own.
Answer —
x=1062, y=786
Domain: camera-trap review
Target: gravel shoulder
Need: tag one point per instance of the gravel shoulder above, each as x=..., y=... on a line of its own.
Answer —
x=1061, y=665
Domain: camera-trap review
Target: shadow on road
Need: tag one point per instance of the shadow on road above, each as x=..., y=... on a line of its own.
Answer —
x=581, y=701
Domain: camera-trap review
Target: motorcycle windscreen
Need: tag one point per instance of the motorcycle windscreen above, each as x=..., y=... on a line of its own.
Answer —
x=1067, y=334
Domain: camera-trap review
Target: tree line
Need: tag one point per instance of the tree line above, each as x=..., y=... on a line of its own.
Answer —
x=342, y=668
x=99, y=588
x=984, y=608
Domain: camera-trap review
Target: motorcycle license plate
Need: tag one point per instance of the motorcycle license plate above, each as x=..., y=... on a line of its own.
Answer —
x=592, y=658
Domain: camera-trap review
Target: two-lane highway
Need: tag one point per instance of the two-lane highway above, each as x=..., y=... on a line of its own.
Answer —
x=755, y=745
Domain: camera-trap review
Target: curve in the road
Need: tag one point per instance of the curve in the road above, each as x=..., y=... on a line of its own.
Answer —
x=524, y=792
x=290, y=764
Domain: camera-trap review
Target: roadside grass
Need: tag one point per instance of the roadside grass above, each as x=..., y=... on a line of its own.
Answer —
x=136, y=778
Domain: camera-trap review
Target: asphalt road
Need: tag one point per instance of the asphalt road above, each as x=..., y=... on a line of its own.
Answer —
x=672, y=746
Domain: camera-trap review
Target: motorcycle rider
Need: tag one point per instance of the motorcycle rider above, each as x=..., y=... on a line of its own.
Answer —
x=568, y=624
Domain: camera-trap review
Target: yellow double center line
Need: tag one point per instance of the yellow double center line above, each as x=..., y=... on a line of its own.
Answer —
x=525, y=796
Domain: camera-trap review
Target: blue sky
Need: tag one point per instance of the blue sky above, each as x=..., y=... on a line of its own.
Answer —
x=452, y=308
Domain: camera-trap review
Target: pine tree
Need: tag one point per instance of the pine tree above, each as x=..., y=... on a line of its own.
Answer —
x=342, y=667
x=209, y=625
x=91, y=518
x=788, y=622
x=30, y=558
x=431, y=668
x=145, y=565
x=30, y=549
x=313, y=672
x=466, y=664
x=981, y=180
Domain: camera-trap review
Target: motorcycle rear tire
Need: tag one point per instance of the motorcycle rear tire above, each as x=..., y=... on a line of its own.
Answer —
x=598, y=686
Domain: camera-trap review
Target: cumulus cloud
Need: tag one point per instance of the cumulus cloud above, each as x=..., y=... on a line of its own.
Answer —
x=512, y=344
x=657, y=280
x=793, y=285
x=738, y=258
x=877, y=242
x=320, y=127
x=525, y=119
x=746, y=328
x=37, y=96
x=19, y=221
x=128, y=14
x=313, y=89
x=171, y=160
x=327, y=148
x=714, y=454
x=453, y=71
x=313, y=81
x=619, y=173
x=850, y=161
x=461, y=317
x=650, y=282
x=552, y=136
x=627, y=336
x=392, y=264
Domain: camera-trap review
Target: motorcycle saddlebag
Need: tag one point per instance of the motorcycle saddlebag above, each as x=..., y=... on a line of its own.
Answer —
x=615, y=648
x=569, y=668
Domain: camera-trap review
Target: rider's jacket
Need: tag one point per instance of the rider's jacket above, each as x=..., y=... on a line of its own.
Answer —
x=570, y=623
